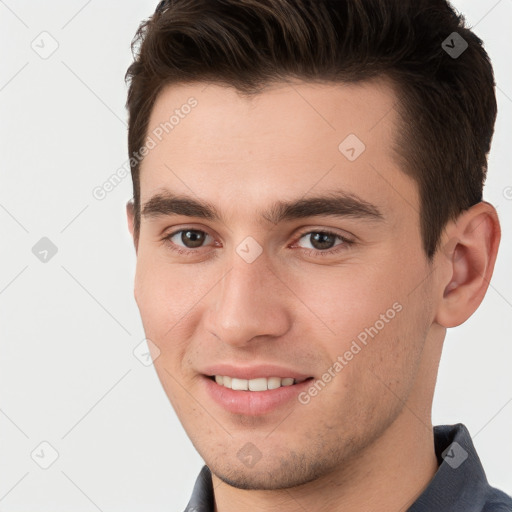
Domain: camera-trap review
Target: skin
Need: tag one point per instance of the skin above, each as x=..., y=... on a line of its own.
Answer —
x=365, y=441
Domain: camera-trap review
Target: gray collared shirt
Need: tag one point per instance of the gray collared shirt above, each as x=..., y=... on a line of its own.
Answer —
x=459, y=485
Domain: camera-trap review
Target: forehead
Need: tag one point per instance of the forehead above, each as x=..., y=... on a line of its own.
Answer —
x=290, y=139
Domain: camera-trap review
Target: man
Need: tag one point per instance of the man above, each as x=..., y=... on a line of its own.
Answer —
x=308, y=221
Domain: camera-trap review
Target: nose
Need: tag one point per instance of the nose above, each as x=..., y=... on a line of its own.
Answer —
x=249, y=302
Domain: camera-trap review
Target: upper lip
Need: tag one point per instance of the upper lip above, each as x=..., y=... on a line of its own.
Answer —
x=253, y=372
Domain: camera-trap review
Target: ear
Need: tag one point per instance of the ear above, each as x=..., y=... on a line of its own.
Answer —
x=466, y=261
x=130, y=214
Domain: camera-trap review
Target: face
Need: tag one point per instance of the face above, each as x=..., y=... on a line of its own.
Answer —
x=279, y=239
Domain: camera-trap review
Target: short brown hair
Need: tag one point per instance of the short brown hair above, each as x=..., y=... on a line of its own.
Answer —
x=447, y=105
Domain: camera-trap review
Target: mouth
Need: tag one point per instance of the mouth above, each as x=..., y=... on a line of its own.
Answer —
x=257, y=385
x=257, y=396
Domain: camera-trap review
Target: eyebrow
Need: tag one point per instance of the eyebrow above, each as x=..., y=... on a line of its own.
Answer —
x=333, y=204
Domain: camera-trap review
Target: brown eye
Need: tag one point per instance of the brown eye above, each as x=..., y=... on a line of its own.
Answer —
x=322, y=240
x=188, y=238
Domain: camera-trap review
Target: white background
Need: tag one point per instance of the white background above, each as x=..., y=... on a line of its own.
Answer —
x=68, y=327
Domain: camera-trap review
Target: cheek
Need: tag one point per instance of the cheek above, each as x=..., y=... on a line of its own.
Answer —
x=344, y=301
x=163, y=291
x=159, y=303
x=170, y=301
x=160, y=292
x=376, y=328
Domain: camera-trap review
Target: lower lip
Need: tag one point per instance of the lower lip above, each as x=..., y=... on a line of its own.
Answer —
x=253, y=403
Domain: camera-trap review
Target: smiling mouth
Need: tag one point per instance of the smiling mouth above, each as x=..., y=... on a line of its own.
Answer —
x=258, y=384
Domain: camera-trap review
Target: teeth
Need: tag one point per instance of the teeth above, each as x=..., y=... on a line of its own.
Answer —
x=274, y=383
x=259, y=384
x=239, y=384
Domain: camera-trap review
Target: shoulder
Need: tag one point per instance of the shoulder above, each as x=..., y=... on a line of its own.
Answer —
x=497, y=501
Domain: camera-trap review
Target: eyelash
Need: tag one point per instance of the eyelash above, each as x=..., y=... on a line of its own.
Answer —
x=309, y=252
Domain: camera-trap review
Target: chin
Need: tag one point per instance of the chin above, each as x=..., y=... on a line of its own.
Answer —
x=269, y=477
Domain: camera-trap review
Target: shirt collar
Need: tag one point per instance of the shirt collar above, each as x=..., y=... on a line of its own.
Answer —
x=460, y=483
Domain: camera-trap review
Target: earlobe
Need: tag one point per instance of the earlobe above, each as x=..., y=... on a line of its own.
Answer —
x=467, y=258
